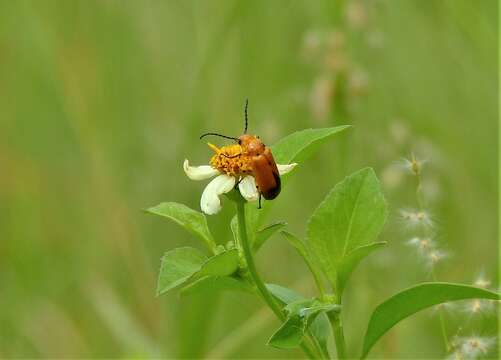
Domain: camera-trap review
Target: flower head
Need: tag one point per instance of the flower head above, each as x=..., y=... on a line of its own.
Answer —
x=422, y=245
x=413, y=165
x=481, y=281
x=472, y=347
x=414, y=218
x=232, y=168
x=479, y=307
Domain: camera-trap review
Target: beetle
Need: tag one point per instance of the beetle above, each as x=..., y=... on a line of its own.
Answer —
x=263, y=165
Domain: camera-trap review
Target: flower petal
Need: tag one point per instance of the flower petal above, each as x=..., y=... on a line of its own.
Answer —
x=210, y=202
x=199, y=172
x=284, y=169
x=248, y=189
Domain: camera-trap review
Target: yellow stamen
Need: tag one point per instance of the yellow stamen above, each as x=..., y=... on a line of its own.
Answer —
x=214, y=147
x=231, y=160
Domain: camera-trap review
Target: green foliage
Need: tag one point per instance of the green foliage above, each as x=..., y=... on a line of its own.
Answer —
x=290, y=334
x=260, y=236
x=298, y=146
x=319, y=328
x=216, y=283
x=300, y=314
x=188, y=264
x=283, y=294
x=345, y=223
x=193, y=221
x=265, y=233
x=222, y=264
x=252, y=216
x=101, y=101
x=414, y=299
x=178, y=266
x=305, y=253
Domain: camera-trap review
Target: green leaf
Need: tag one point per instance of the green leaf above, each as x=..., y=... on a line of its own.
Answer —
x=414, y=299
x=193, y=221
x=177, y=267
x=300, y=314
x=298, y=146
x=290, y=334
x=350, y=217
x=283, y=294
x=225, y=263
x=234, y=229
x=353, y=258
x=216, y=283
x=305, y=254
x=320, y=328
x=214, y=274
x=265, y=233
x=251, y=218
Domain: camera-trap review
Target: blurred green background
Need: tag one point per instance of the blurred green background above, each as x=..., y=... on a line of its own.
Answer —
x=101, y=101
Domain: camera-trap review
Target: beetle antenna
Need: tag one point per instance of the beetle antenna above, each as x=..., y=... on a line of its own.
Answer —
x=223, y=136
x=246, y=118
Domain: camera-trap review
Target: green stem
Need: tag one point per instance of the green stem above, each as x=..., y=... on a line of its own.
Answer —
x=337, y=329
x=442, y=322
x=251, y=266
x=421, y=204
x=261, y=287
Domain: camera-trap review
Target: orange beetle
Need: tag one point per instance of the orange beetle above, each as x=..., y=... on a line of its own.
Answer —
x=264, y=169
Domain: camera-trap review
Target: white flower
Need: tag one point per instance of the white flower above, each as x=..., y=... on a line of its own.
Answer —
x=210, y=202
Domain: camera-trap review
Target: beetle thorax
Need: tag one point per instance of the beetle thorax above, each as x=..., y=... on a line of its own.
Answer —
x=251, y=145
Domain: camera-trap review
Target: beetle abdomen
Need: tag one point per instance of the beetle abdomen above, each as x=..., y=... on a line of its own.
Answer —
x=266, y=175
x=273, y=192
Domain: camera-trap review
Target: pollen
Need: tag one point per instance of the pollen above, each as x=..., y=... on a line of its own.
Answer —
x=231, y=160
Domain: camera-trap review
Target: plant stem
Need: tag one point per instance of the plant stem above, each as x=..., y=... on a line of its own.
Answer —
x=442, y=322
x=337, y=329
x=263, y=291
x=421, y=205
x=261, y=287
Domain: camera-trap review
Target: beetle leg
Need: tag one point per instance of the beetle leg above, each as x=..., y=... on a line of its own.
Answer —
x=259, y=203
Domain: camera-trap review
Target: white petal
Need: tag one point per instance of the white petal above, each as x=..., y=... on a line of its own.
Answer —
x=199, y=172
x=248, y=189
x=284, y=169
x=210, y=202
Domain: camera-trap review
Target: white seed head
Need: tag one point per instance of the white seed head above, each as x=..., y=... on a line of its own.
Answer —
x=479, y=307
x=434, y=257
x=472, y=347
x=448, y=308
x=413, y=165
x=424, y=246
x=413, y=218
x=481, y=281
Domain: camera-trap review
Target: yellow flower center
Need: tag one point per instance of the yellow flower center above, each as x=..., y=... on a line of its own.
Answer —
x=230, y=160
